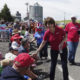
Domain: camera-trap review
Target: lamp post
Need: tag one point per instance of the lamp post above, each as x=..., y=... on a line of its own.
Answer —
x=27, y=4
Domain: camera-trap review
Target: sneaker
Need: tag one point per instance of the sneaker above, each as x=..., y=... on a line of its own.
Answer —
x=72, y=63
x=45, y=58
x=39, y=77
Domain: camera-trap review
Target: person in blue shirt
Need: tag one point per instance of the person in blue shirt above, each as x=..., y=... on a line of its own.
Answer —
x=38, y=36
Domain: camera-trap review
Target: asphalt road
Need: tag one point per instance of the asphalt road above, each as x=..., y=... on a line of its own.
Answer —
x=43, y=66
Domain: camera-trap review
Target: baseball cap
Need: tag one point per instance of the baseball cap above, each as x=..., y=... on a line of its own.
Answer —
x=15, y=37
x=23, y=60
x=73, y=16
x=39, y=28
x=14, y=47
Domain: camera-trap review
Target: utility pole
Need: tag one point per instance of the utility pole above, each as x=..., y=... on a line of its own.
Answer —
x=64, y=18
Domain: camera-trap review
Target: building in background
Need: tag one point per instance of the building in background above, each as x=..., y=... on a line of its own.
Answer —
x=18, y=16
x=36, y=12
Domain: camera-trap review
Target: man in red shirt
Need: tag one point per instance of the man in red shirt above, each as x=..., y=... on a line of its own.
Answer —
x=56, y=38
x=72, y=30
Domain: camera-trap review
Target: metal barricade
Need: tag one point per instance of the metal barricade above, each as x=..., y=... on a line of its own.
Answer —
x=4, y=36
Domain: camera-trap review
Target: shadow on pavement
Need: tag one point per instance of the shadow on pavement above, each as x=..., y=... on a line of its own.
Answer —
x=43, y=61
x=39, y=72
x=76, y=64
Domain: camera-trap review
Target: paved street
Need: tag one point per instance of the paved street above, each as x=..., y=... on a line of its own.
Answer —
x=43, y=66
x=74, y=70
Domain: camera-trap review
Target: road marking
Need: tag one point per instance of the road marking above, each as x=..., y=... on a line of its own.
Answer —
x=59, y=67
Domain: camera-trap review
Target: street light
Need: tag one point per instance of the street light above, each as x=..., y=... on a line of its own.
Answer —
x=27, y=6
x=27, y=10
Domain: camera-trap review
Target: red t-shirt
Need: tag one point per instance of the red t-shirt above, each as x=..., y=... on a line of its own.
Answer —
x=72, y=30
x=55, y=39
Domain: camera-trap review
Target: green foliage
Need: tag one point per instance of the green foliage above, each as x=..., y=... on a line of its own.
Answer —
x=66, y=21
x=5, y=14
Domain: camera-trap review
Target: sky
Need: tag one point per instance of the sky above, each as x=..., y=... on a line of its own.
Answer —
x=58, y=9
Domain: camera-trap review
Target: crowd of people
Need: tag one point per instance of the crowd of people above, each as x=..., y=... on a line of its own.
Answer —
x=18, y=62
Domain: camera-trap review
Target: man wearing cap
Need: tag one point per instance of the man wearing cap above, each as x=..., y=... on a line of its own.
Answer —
x=15, y=40
x=24, y=48
x=13, y=52
x=19, y=68
x=10, y=56
x=72, y=30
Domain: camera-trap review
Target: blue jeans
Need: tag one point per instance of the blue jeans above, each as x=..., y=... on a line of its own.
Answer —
x=54, y=56
x=72, y=46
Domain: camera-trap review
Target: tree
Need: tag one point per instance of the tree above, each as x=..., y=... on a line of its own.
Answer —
x=5, y=14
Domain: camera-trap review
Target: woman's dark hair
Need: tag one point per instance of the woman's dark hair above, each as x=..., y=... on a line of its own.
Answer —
x=49, y=20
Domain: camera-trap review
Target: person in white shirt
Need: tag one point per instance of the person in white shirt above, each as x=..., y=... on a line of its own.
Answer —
x=12, y=54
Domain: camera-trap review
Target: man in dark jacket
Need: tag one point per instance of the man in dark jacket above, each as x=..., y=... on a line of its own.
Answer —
x=20, y=66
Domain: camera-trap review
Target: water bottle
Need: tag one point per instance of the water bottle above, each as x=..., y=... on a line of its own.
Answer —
x=60, y=51
x=79, y=31
x=26, y=77
x=0, y=55
x=1, y=68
